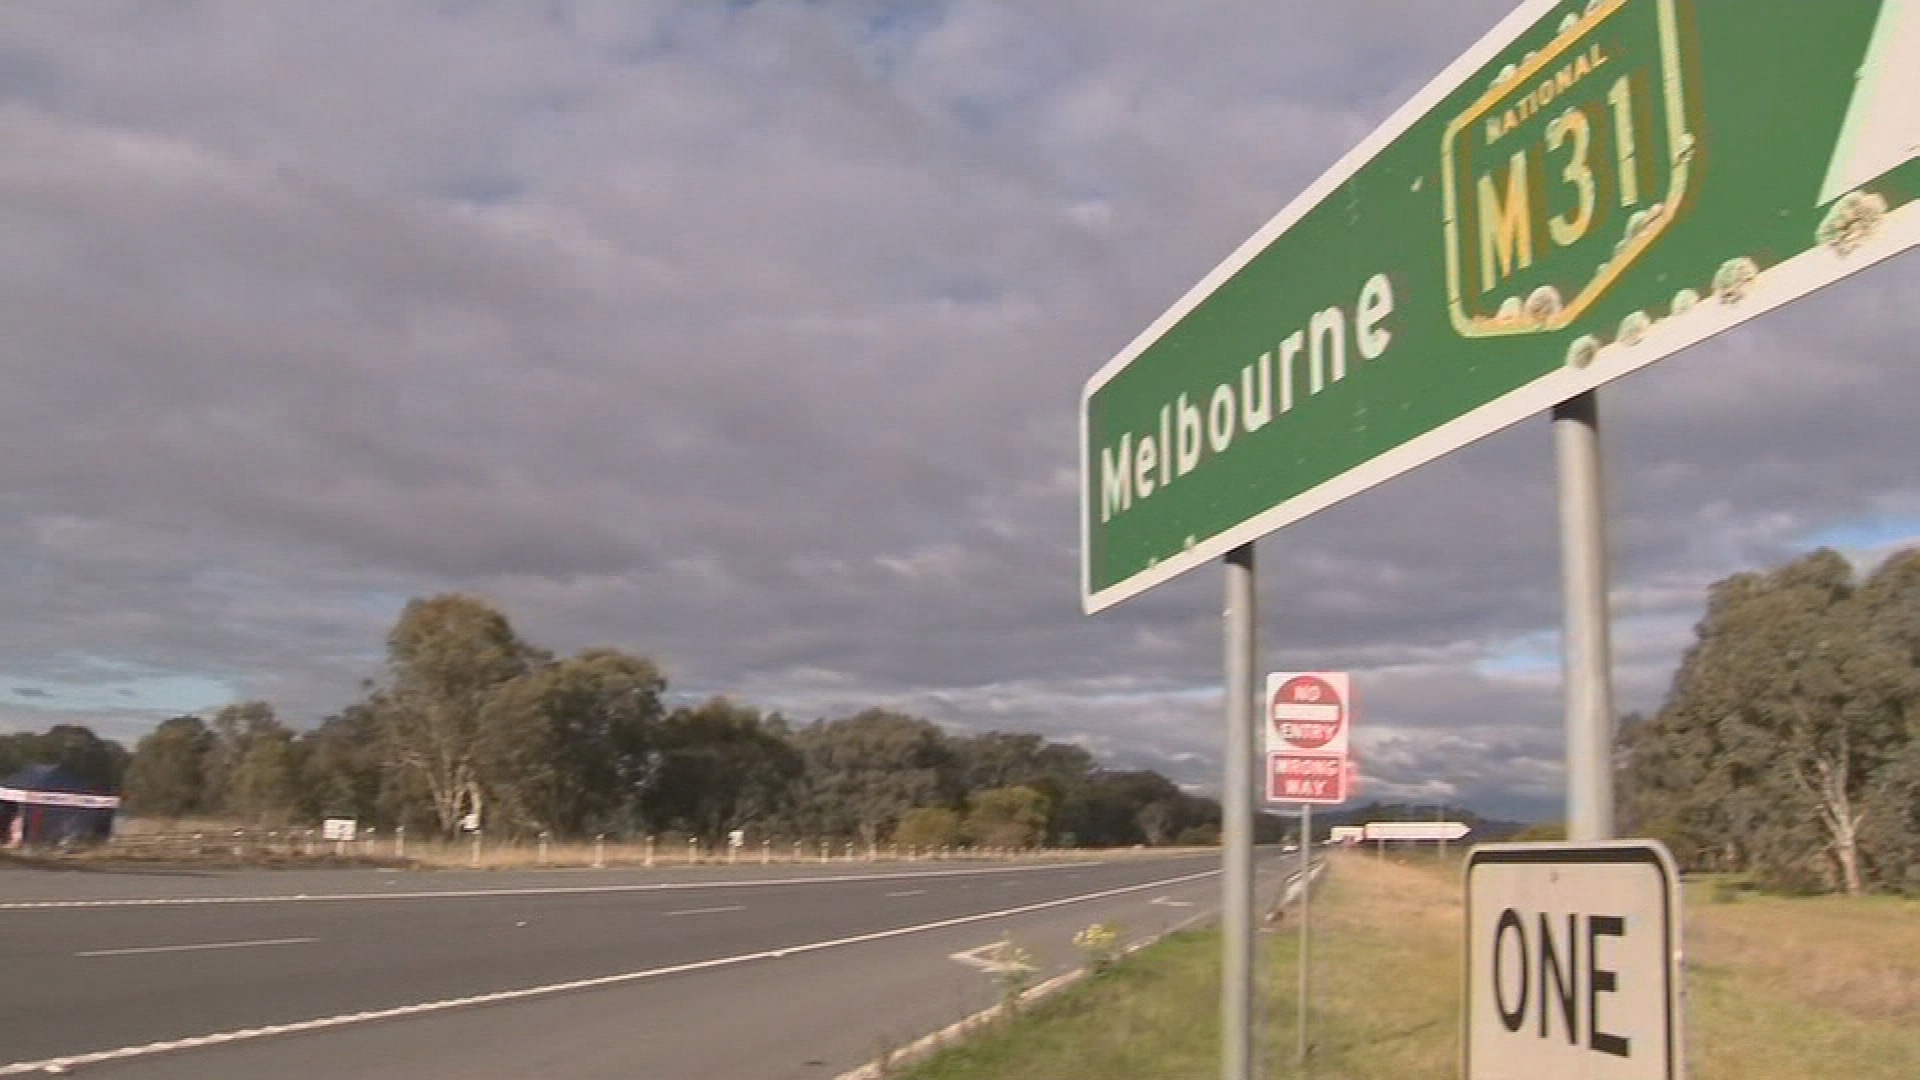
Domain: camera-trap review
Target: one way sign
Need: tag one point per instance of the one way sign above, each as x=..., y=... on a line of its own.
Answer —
x=1573, y=962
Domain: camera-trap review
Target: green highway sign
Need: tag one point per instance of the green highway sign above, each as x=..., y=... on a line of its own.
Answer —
x=1596, y=185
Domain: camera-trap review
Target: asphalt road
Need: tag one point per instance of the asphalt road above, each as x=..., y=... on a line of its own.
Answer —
x=734, y=973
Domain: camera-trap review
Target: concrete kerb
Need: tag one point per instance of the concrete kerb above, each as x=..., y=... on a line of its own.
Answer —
x=924, y=1047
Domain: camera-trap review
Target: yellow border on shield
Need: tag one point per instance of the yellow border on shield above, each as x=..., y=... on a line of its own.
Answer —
x=1680, y=149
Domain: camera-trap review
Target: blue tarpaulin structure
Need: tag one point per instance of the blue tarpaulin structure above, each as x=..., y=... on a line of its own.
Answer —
x=44, y=806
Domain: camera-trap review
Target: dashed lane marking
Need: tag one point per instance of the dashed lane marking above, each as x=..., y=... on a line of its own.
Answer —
x=144, y=950
x=74, y=1061
x=532, y=890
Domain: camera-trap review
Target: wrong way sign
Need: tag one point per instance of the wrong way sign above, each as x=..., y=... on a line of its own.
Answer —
x=1306, y=778
x=1573, y=962
x=1309, y=718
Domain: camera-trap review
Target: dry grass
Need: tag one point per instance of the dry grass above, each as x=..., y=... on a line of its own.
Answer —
x=1386, y=969
x=1860, y=955
x=1386, y=933
x=1778, y=988
x=136, y=827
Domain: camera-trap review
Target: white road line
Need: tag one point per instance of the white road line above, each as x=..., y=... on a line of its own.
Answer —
x=145, y=949
x=709, y=910
x=907, y=892
x=74, y=1061
x=532, y=890
x=988, y=958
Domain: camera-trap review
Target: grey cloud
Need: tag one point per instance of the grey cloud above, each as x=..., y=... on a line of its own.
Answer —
x=750, y=337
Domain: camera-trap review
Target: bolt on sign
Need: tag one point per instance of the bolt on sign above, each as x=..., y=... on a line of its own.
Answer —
x=1309, y=716
x=1573, y=962
x=1595, y=185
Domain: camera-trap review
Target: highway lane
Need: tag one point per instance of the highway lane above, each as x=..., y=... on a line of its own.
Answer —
x=690, y=981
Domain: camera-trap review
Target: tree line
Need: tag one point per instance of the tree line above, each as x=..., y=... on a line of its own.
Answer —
x=467, y=719
x=78, y=752
x=1789, y=744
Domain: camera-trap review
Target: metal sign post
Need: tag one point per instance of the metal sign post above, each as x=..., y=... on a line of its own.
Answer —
x=1587, y=646
x=1236, y=813
x=1306, y=941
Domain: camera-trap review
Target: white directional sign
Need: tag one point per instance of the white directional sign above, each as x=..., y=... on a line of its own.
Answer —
x=1431, y=831
x=1309, y=716
x=1573, y=962
x=338, y=828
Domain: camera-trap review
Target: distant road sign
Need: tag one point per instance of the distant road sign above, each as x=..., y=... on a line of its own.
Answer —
x=1573, y=962
x=1593, y=186
x=1441, y=831
x=1309, y=718
x=338, y=828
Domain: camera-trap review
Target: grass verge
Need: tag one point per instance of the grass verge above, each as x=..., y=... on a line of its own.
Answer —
x=1778, y=988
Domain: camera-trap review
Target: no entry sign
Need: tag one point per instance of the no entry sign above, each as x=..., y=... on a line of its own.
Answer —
x=1309, y=715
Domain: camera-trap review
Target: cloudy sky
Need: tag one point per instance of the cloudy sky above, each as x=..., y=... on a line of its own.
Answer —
x=750, y=336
